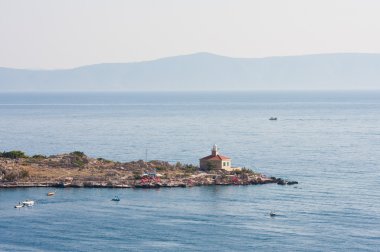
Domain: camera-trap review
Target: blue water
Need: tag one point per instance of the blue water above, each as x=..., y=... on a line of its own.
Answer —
x=328, y=141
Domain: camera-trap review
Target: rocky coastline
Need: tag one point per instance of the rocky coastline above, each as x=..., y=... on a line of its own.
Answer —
x=76, y=170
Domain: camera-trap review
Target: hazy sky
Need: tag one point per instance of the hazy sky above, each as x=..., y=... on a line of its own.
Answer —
x=69, y=33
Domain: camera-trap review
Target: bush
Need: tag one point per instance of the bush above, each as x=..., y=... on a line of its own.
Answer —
x=136, y=175
x=38, y=156
x=244, y=171
x=13, y=154
x=78, y=158
x=104, y=160
x=248, y=171
x=78, y=162
x=78, y=154
x=24, y=174
x=161, y=168
x=190, y=168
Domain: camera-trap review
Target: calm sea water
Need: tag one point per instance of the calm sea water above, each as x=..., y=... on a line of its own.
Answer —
x=328, y=141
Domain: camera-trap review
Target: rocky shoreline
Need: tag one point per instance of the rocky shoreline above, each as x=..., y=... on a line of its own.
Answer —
x=76, y=170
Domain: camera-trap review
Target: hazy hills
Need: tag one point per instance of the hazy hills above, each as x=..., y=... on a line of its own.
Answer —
x=204, y=71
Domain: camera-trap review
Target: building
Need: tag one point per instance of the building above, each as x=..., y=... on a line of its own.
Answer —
x=215, y=161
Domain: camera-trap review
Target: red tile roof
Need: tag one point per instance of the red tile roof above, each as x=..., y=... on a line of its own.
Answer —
x=217, y=157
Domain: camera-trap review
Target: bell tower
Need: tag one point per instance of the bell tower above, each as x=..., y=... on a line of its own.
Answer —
x=214, y=150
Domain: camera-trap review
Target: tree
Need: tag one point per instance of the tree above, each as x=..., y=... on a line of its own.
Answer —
x=13, y=154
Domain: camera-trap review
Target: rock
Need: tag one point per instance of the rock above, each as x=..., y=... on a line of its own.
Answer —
x=292, y=182
x=281, y=182
x=76, y=185
x=60, y=184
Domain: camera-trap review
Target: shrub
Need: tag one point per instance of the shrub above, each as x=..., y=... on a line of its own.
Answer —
x=190, y=168
x=136, y=175
x=161, y=168
x=13, y=154
x=244, y=171
x=24, y=174
x=248, y=171
x=78, y=158
x=38, y=156
x=104, y=160
x=77, y=153
x=78, y=162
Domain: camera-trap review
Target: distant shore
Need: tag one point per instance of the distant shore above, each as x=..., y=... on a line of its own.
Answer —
x=76, y=170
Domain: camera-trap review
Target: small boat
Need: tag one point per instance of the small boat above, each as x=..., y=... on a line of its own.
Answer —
x=272, y=214
x=19, y=205
x=273, y=119
x=28, y=203
x=116, y=198
x=50, y=193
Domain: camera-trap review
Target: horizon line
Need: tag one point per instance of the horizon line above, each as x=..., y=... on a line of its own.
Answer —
x=189, y=91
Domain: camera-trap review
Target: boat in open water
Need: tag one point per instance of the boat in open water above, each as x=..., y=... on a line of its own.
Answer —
x=28, y=203
x=272, y=214
x=19, y=205
x=116, y=198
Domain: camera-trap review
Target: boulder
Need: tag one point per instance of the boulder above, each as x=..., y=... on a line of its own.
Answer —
x=292, y=182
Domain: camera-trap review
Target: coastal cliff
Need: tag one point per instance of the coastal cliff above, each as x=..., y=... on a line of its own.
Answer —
x=78, y=170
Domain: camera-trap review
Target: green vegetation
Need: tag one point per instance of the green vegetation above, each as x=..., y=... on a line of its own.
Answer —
x=137, y=175
x=104, y=160
x=24, y=174
x=189, y=168
x=38, y=156
x=244, y=171
x=78, y=163
x=13, y=154
x=78, y=154
x=161, y=168
x=78, y=158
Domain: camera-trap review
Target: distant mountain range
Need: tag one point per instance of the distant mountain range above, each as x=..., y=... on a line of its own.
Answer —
x=205, y=71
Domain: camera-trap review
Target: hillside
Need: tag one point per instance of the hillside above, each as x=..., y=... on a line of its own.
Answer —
x=204, y=71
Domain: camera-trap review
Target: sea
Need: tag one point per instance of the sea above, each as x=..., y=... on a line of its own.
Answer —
x=328, y=141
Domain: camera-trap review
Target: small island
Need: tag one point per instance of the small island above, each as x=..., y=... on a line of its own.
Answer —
x=78, y=170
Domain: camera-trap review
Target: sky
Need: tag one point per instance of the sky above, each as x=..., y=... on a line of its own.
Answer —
x=51, y=34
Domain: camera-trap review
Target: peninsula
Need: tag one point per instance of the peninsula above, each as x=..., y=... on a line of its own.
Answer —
x=78, y=170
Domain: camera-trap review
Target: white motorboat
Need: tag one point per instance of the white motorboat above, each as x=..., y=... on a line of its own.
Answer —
x=28, y=203
x=19, y=205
